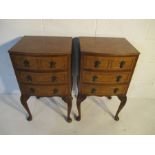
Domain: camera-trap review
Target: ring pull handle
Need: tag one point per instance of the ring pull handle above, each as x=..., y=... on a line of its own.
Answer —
x=116, y=90
x=118, y=78
x=54, y=78
x=29, y=78
x=122, y=63
x=26, y=63
x=32, y=90
x=55, y=91
x=93, y=90
x=97, y=63
x=94, y=78
x=52, y=64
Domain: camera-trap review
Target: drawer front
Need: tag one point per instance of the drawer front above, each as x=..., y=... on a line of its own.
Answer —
x=122, y=63
x=42, y=78
x=43, y=90
x=103, y=90
x=40, y=63
x=95, y=62
x=105, y=77
x=108, y=63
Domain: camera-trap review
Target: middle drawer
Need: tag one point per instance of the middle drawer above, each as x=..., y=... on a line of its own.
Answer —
x=105, y=77
x=42, y=78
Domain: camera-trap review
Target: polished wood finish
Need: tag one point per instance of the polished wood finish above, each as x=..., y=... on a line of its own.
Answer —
x=42, y=78
x=106, y=63
x=45, y=90
x=107, y=46
x=41, y=63
x=43, y=68
x=106, y=69
x=105, y=77
x=107, y=90
x=43, y=45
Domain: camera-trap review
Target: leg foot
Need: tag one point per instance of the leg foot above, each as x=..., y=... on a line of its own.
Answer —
x=123, y=100
x=69, y=120
x=24, y=99
x=68, y=100
x=78, y=118
x=80, y=98
x=29, y=118
x=116, y=118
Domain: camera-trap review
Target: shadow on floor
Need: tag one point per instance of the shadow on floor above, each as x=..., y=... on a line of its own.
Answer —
x=55, y=104
x=8, y=82
x=99, y=101
x=13, y=103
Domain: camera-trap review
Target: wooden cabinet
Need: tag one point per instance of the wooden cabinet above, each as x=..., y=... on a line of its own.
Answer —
x=106, y=69
x=43, y=68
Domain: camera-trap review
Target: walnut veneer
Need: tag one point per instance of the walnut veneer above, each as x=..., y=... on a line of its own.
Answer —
x=43, y=68
x=106, y=69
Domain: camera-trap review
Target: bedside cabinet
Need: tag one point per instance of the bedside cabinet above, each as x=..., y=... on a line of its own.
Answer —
x=43, y=68
x=106, y=69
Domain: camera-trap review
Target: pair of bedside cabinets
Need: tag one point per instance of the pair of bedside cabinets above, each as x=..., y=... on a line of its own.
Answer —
x=43, y=67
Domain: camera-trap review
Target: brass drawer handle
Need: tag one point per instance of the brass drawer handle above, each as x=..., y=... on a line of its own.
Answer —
x=116, y=90
x=32, y=90
x=29, y=78
x=97, y=63
x=52, y=64
x=93, y=90
x=118, y=78
x=122, y=63
x=54, y=78
x=26, y=63
x=55, y=91
x=94, y=78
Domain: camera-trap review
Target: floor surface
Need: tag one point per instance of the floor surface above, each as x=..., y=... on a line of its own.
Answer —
x=137, y=117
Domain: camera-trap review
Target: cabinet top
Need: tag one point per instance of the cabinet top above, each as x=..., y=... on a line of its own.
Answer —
x=107, y=45
x=43, y=45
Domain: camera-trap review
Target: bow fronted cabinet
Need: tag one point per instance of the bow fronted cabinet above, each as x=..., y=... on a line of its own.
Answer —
x=43, y=68
x=106, y=69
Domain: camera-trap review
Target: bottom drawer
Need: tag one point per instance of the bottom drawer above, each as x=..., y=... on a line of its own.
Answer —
x=104, y=90
x=42, y=90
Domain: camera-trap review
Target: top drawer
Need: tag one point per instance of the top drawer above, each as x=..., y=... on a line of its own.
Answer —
x=95, y=62
x=122, y=63
x=108, y=63
x=40, y=63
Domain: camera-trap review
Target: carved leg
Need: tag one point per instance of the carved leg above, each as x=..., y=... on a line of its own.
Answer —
x=80, y=98
x=109, y=97
x=68, y=100
x=123, y=100
x=24, y=99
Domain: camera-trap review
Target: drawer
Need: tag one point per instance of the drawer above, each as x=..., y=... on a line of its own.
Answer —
x=105, y=77
x=108, y=62
x=44, y=90
x=42, y=78
x=95, y=62
x=40, y=63
x=122, y=63
x=103, y=90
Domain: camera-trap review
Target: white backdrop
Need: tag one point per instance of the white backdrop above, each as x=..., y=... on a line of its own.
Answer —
x=141, y=33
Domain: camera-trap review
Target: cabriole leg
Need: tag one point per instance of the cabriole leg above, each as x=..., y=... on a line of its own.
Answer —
x=80, y=98
x=24, y=99
x=68, y=100
x=123, y=100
